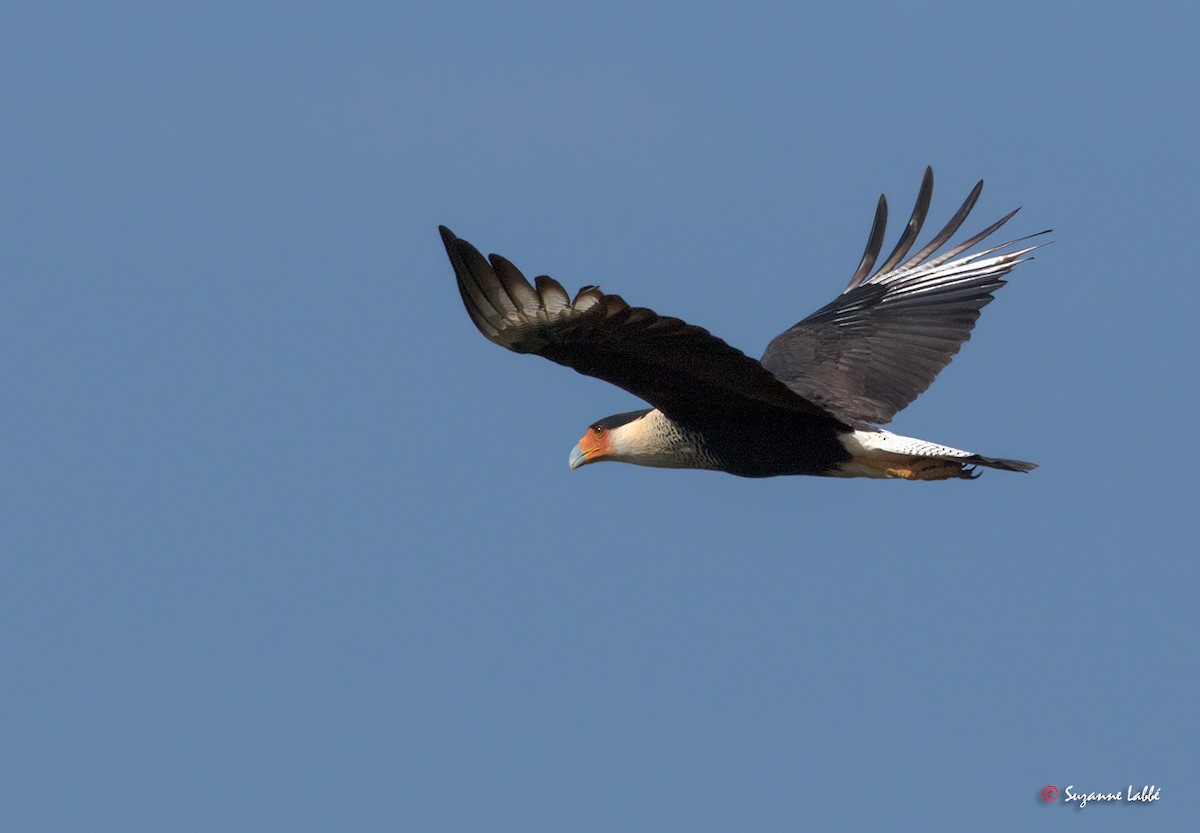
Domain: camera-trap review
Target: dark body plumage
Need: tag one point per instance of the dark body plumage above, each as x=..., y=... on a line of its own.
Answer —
x=809, y=407
x=765, y=442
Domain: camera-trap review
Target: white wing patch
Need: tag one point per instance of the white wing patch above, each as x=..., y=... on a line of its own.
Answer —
x=877, y=444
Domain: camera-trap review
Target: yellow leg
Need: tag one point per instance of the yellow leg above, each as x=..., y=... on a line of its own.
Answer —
x=918, y=468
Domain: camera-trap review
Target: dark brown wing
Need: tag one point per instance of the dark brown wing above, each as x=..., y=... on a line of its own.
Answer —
x=676, y=367
x=881, y=343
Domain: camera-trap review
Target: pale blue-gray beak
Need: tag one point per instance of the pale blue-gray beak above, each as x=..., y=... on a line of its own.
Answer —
x=578, y=458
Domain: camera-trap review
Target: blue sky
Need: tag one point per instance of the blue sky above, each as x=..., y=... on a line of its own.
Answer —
x=288, y=546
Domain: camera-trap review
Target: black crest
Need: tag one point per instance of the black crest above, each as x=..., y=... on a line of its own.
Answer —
x=617, y=420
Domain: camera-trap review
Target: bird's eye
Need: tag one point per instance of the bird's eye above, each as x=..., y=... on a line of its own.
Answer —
x=599, y=429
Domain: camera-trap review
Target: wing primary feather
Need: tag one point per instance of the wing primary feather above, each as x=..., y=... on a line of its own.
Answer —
x=915, y=221
x=874, y=244
x=492, y=287
x=471, y=270
x=951, y=227
x=962, y=247
x=515, y=284
x=554, y=297
x=989, y=251
x=478, y=316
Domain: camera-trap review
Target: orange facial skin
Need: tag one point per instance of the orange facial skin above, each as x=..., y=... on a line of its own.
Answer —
x=594, y=445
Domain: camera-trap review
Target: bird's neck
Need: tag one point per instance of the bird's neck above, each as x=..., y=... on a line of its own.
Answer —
x=654, y=440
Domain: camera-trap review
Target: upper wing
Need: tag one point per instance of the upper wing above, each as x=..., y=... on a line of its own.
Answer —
x=676, y=367
x=879, y=345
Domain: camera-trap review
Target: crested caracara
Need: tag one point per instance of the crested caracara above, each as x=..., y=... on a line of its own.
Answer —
x=811, y=405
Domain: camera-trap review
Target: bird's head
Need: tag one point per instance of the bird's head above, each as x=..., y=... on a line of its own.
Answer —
x=618, y=437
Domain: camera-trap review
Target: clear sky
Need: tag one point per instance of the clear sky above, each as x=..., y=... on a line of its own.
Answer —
x=285, y=544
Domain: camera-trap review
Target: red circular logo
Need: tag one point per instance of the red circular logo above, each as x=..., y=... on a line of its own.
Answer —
x=1049, y=793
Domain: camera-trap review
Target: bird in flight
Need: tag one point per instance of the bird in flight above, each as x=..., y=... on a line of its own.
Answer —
x=812, y=404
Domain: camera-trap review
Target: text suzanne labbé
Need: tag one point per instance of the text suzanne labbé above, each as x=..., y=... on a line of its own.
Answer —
x=1147, y=794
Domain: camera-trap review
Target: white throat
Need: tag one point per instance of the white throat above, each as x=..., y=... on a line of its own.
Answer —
x=654, y=440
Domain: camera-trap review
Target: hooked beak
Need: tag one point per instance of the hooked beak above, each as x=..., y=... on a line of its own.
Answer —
x=578, y=457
